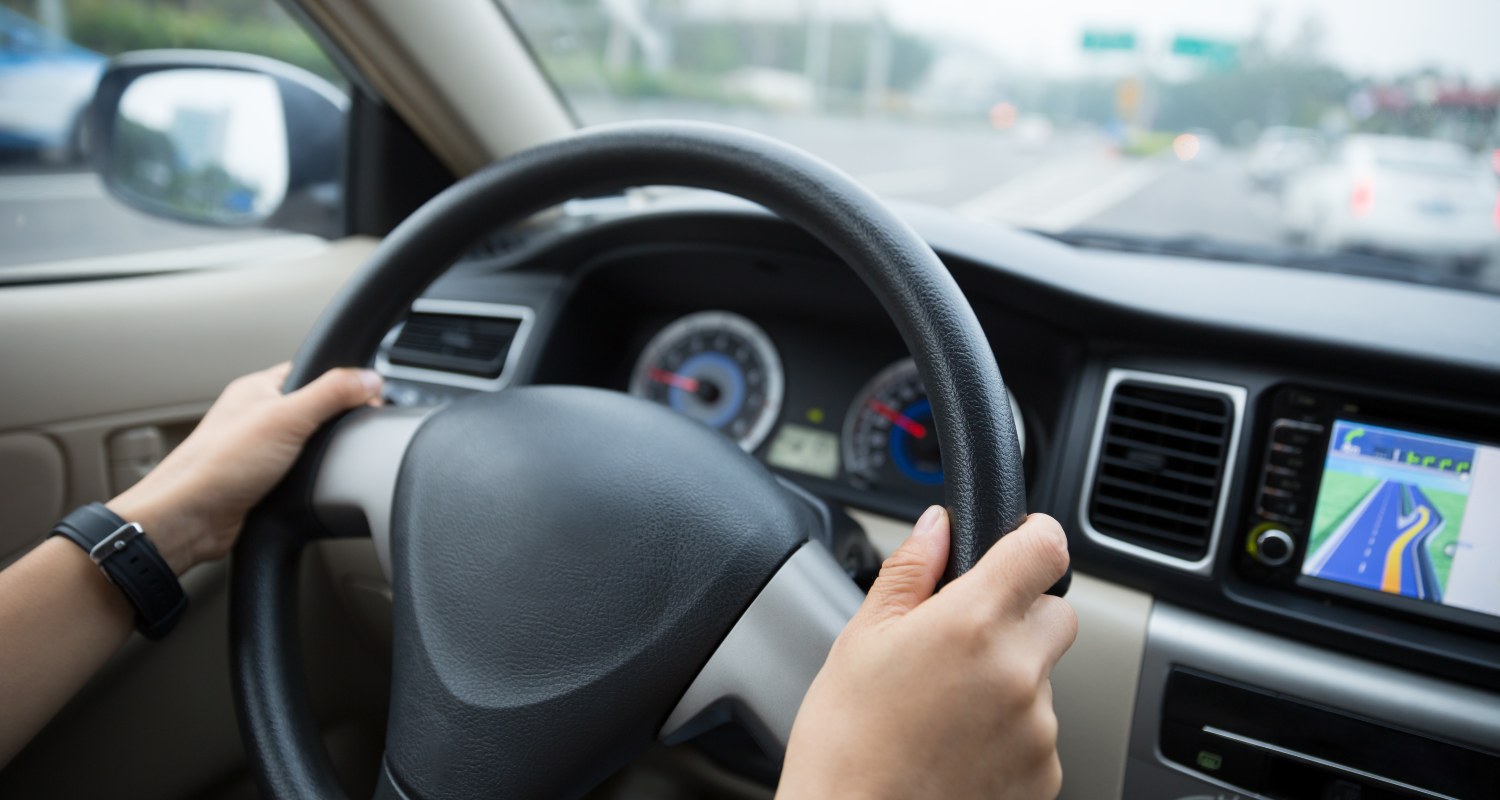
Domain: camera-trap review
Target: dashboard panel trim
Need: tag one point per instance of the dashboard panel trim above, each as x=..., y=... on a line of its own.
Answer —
x=1237, y=396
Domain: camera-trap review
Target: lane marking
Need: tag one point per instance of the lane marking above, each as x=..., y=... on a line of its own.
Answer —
x=1119, y=188
x=1061, y=192
x=1319, y=559
x=1391, y=578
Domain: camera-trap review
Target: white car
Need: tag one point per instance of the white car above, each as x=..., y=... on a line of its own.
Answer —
x=1280, y=153
x=1397, y=195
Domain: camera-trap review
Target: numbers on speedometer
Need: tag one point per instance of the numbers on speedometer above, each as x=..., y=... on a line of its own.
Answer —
x=890, y=440
x=718, y=368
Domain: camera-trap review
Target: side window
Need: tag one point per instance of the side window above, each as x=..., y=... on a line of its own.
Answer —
x=53, y=208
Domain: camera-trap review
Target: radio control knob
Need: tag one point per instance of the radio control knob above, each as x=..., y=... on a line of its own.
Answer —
x=1273, y=547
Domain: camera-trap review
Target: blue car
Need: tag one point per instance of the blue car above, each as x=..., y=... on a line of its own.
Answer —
x=46, y=82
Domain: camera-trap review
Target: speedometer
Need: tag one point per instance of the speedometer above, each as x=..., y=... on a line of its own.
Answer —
x=718, y=368
x=889, y=437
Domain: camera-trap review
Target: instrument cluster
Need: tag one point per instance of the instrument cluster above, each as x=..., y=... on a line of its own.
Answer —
x=725, y=371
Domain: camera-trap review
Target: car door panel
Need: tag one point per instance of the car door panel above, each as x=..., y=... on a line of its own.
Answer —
x=139, y=360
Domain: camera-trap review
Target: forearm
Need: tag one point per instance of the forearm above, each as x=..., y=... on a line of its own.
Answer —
x=60, y=621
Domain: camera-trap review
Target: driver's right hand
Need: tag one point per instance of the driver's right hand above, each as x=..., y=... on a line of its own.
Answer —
x=942, y=695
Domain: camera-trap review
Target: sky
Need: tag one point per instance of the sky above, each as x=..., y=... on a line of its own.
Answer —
x=1376, y=38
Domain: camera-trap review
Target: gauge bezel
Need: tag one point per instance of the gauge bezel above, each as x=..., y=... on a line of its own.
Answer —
x=887, y=375
x=728, y=321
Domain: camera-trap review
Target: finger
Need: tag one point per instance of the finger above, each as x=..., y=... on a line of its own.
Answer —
x=1023, y=564
x=273, y=378
x=910, y=574
x=1052, y=626
x=332, y=392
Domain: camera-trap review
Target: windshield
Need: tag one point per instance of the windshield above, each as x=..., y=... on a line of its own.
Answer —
x=1156, y=125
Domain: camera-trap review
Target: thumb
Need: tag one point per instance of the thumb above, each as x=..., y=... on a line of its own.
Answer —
x=332, y=392
x=910, y=575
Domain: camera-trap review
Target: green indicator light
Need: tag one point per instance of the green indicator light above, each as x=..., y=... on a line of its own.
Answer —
x=815, y=415
x=1210, y=761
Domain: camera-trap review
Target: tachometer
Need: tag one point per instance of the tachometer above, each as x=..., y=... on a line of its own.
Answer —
x=718, y=368
x=889, y=437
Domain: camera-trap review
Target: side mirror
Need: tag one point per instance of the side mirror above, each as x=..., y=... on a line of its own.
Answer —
x=224, y=139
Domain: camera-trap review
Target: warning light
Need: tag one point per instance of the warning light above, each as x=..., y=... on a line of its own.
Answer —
x=815, y=415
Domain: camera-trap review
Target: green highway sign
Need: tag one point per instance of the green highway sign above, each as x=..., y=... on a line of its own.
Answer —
x=1216, y=51
x=1109, y=40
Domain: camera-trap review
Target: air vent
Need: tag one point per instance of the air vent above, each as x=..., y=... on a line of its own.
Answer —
x=1159, y=465
x=468, y=345
x=457, y=343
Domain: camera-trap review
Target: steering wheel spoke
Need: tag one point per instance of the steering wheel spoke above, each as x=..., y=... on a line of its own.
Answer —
x=354, y=489
x=763, y=668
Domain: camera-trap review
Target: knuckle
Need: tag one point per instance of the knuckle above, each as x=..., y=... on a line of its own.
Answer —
x=346, y=384
x=902, y=567
x=1052, y=776
x=1046, y=729
x=1049, y=546
x=1067, y=619
x=1015, y=687
x=238, y=385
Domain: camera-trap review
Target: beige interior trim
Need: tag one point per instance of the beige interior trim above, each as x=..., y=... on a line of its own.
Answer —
x=1094, y=686
x=32, y=486
x=75, y=351
x=459, y=75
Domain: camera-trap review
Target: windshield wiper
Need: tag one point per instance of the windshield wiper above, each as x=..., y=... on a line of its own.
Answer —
x=1379, y=265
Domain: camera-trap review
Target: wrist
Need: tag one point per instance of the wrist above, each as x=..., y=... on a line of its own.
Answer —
x=167, y=532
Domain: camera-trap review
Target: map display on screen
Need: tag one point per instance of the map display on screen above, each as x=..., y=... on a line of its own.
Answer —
x=1409, y=514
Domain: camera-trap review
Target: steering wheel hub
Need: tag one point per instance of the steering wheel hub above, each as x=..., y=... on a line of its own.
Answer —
x=559, y=550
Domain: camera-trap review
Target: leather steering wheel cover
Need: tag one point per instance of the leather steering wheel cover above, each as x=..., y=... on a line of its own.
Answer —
x=984, y=491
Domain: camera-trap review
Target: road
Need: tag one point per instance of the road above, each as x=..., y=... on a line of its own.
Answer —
x=1382, y=544
x=1051, y=181
x=59, y=216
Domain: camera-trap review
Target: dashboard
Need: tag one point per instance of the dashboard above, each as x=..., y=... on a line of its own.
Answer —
x=1260, y=446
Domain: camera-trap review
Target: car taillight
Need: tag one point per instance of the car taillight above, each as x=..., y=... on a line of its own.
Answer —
x=1362, y=199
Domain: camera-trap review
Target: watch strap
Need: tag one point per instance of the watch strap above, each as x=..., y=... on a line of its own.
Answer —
x=131, y=562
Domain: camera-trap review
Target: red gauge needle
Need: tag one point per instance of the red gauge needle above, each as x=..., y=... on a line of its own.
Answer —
x=672, y=379
x=899, y=419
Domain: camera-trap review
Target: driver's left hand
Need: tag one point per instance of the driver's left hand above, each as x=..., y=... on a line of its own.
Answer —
x=194, y=503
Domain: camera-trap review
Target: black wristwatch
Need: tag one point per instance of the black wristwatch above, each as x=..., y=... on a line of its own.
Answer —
x=131, y=562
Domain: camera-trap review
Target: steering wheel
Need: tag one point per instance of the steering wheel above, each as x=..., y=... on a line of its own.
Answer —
x=578, y=573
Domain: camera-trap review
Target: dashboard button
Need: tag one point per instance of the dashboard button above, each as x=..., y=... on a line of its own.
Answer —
x=1295, y=437
x=1273, y=547
x=1278, y=505
x=1288, y=459
x=1290, y=484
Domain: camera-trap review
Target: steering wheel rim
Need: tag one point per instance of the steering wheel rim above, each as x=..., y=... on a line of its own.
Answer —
x=984, y=492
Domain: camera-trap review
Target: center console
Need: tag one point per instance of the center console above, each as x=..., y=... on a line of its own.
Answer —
x=1351, y=651
x=1230, y=712
x=1374, y=505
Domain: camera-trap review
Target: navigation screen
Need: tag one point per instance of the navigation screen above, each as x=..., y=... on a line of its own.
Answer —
x=1409, y=514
